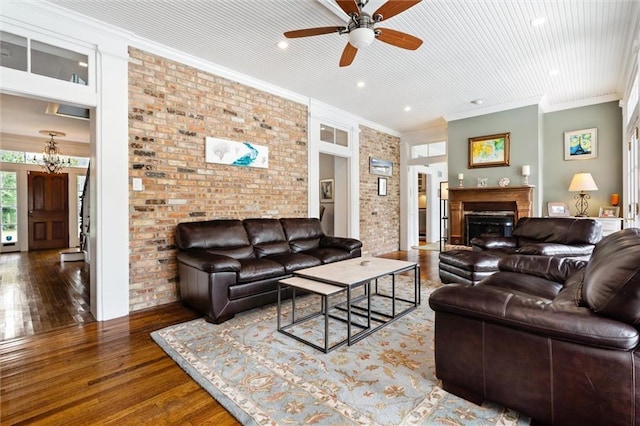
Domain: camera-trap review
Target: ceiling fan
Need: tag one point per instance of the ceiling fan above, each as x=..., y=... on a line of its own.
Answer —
x=361, y=27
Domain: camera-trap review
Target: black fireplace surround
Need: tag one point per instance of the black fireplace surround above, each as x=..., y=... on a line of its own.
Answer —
x=487, y=224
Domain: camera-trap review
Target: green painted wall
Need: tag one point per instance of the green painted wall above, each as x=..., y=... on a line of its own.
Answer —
x=537, y=139
x=606, y=169
x=522, y=123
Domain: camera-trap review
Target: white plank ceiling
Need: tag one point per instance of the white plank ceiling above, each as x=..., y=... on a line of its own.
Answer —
x=473, y=49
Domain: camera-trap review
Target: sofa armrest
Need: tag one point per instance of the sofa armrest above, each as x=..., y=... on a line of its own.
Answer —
x=557, y=269
x=208, y=262
x=348, y=244
x=492, y=243
x=562, y=321
x=556, y=249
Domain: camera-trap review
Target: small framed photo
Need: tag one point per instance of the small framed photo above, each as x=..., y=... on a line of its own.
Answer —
x=557, y=209
x=326, y=190
x=382, y=186
x=489, y=151
x=609, y=211
x=482, y=182
x=581, y=144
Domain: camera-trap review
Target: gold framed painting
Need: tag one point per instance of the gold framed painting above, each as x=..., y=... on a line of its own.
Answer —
x=489, y=151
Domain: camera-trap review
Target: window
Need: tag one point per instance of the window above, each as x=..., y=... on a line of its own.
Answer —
x=23, y=54
x=632, y=102
x=435, y=149
x=332, y=135
x=14, y=51
x=9, y=203
x=20, y=157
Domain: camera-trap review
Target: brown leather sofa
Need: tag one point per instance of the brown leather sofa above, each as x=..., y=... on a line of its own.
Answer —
x=228, y=266
x=565, y=237
x=556, y=339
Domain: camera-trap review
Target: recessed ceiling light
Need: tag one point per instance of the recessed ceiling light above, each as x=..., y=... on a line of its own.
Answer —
x=283, y=44
x=407, y=108
x=538, y=21
x=360, y=84
x=478, y=101
x=553, y=72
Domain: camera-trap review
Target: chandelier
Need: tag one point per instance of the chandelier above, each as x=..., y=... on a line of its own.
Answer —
x=52, y=161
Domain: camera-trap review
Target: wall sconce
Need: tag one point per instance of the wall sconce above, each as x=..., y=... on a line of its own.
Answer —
x=526, y=172
x=580, y=183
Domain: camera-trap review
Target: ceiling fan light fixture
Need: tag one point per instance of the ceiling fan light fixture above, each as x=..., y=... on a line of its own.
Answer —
x=361, y=37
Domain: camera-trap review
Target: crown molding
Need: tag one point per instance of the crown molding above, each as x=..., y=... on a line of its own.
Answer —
x=492, y=109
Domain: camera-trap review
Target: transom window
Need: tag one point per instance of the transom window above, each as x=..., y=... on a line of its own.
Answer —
x=24, y=54
x=332, y=135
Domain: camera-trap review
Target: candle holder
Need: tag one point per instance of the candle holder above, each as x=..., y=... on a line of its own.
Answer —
x=460, y=183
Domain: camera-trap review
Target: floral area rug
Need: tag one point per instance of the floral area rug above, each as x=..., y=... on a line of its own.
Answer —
x=263, y=377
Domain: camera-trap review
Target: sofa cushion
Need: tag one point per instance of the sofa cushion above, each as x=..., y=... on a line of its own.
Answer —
x=302, y=233
x=258, y=269
x=219, y=233
x=266, y=236
x=295, y=261
x=611, y=284
x=555, y=249
x=329, y=255
x=558, y=230
x=244, y=252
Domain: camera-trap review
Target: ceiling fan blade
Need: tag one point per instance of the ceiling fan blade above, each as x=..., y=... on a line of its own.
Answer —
x=313, y=32
x=394, y=7
x=398, y=38
x=348, y=55
x=350, y=7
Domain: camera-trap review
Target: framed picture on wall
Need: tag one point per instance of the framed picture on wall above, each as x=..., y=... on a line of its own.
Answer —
x=326, y=190
x=382, y=186
x=581, y=144
x=489, y=151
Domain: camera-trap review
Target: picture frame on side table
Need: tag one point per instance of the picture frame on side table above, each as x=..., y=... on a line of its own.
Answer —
x=489, y=151
x=557, y=209
x=326, y=190
x=609, y=211
x=382, y=186
x=581, y=144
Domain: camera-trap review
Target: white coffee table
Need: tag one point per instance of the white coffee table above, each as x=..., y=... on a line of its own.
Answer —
x=349, y=275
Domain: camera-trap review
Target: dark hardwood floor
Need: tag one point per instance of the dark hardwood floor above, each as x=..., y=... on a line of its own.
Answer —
x=38, y=293
x=110, y=372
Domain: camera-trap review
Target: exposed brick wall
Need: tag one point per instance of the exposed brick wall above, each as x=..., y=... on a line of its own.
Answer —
x=172, y=108
x=379, y=215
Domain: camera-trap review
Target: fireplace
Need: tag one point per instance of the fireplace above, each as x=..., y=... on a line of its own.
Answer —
x=487, y=224
x=516, y=200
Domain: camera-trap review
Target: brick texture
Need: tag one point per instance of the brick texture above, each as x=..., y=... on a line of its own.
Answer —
x=379, y=215
x=172, y=108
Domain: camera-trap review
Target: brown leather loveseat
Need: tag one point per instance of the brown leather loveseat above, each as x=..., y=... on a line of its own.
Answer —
x=564, y=237
x=554, y=338
x=227, y=266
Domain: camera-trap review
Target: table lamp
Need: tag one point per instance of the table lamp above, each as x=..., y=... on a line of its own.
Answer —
x=580, y=183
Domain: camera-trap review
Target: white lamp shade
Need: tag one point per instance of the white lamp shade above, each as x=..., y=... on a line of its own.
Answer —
x=582, y=182
x=361, y=37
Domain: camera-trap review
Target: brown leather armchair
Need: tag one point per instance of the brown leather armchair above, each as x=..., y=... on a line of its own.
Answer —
x=554, y=338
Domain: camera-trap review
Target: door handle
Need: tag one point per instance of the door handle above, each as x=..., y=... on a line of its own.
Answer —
x=30, y=213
